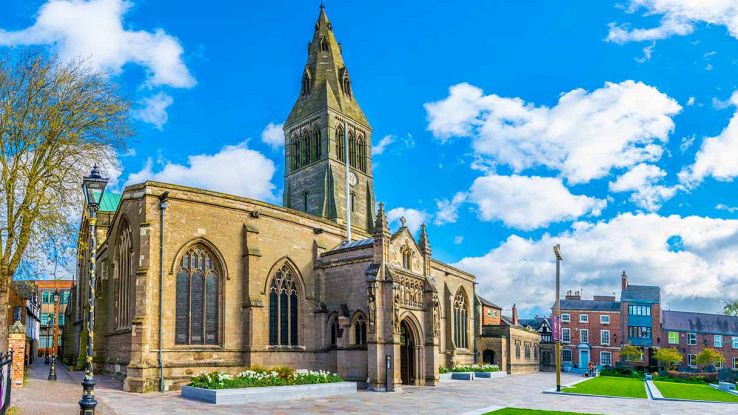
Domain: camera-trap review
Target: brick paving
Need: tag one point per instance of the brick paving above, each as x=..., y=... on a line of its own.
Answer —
x=39, y=396
x=522, y=391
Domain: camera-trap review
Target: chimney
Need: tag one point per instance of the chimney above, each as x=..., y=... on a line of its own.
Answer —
x=515, y=315
x=574, y=296
x=623, y=281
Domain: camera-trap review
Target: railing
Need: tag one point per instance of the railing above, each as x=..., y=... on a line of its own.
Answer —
x=6, y=370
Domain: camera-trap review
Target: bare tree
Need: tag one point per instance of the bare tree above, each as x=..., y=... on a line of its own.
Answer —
x=56, y=121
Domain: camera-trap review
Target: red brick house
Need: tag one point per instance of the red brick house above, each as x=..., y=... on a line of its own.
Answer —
x=691, y=332
x=590, y=331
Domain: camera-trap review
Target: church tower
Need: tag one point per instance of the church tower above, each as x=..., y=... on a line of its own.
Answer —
x=315, y=151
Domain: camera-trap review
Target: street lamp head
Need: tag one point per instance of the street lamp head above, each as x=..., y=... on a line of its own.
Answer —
x=557, y=252
x=93, y=187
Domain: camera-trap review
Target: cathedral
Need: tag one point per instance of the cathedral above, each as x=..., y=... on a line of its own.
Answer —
x=320, y=282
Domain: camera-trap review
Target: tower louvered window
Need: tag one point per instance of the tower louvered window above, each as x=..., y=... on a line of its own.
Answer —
x=283, y=308
x=340, y=149
x=197, y=298
x=362, y=153
x=352, y=149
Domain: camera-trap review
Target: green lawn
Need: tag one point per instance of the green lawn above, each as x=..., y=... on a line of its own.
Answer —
x=693, y=392
x=610, y=386
x=516, y=411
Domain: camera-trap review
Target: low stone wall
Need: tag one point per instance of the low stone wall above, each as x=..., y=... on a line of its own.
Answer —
x=267, y=394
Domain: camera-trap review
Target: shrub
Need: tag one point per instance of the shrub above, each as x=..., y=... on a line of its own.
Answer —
x=280, y=376
x=686, y=377
x=708, y=356
x=442, y=369
x=621, y=372
x=668, y=356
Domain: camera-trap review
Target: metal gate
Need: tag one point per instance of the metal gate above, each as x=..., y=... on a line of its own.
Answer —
x=6, y=370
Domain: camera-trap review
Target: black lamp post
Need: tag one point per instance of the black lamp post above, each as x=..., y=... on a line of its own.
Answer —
x=93, y=187
x=52, y=366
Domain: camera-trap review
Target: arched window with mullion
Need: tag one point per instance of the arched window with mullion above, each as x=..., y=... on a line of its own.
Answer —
x=197, y=298
x=340, y=148
x=283, y=308
x=460, y=320
x=352, y=149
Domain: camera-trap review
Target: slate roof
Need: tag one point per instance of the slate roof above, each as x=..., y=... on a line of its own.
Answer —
x=346, y=245
x=508, y=321
x=488, y=303
x=534, y=323
x=699, y=322
x=641, y=293
x=590, y=305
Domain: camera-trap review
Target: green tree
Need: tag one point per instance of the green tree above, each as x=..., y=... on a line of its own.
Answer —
x=668, y=357
x=731, y=308
x=631, y=354
x=709, y=356
x=56, y=121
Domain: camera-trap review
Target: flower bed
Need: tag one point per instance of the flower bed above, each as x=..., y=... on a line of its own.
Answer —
x=475, y=368
x=258, y=377
x=258, y=385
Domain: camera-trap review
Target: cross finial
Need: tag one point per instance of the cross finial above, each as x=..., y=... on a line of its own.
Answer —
x=322, y=4
x=403, y=221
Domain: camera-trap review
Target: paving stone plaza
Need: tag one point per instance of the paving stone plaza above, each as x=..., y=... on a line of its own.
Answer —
x=40, y=397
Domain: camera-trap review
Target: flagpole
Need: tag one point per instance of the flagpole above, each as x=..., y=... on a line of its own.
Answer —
x=348, y=189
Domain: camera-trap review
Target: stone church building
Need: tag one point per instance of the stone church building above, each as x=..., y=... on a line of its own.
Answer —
x=251, y=283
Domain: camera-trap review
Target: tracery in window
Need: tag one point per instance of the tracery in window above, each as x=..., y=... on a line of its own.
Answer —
x=283, y=312
x=360, y=329
x=197, y=298
x=125, y=275
x=460, y=320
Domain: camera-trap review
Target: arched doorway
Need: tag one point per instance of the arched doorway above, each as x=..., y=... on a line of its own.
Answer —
x=407, y=355
x=488, y=357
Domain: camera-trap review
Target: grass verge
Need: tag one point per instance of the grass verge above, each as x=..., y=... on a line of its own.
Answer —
x=518, y=411
x=693, y=392
x=610, y=386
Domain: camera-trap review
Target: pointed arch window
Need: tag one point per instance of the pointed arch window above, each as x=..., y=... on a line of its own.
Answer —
x=305, y=149
x=352, y=149
x=461, y=327
x=283, y=308
x=334, y=331
x=340, y=149
x=305, y=85
x=125, y=274
x=197, y=292
x=362, y=153
x=407, y=257
x=317, y=150
x=346, y=84
x=294, y=152
x=360, y=329
x=323, y=44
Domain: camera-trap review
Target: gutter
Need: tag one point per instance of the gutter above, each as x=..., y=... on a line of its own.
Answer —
x=162, y=207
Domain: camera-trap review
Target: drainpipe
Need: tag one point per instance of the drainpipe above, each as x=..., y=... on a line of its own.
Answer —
x=162, y=207
x=476, y=332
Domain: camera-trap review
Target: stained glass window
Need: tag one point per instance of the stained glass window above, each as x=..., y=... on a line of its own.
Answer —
x=197, y=294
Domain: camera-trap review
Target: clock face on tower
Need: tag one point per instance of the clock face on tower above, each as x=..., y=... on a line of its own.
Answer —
x=353, y=179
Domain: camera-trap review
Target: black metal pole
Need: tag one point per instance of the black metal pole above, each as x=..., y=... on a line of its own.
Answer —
x=88, y=403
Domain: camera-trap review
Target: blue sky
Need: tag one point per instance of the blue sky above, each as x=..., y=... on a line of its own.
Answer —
x=600, y=126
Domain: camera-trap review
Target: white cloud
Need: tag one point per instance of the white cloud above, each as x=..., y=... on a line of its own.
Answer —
x=154, y=110
x=382, y=144
x=236, y=170
x=389, y=139
x=717, y=156
x=458, y=239
x=529, y=202
x=700, y=273
x=448, y=210
x=690, y=101
x=94, y=30
x=722, y=206
x=273, y=135
x=584, y=136
x=414, y=218
x=678, y=17
x=643, y=181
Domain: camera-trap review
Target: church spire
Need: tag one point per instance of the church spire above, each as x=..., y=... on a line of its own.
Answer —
x=423, y=241
x=325, y=80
